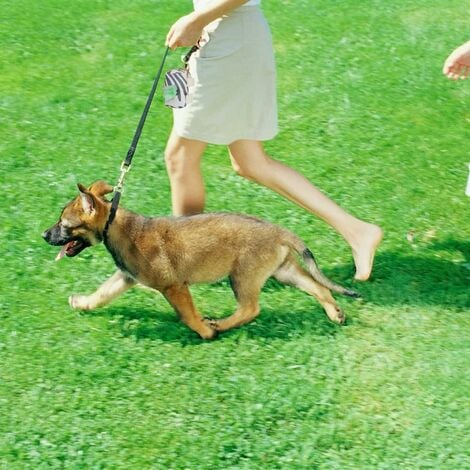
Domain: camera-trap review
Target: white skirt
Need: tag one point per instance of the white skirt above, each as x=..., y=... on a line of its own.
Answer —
x=233, y=94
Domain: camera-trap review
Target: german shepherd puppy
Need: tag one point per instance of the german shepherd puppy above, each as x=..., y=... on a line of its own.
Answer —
x=170, y=253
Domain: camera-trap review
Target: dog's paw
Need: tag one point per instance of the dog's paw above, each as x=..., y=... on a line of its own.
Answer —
x=211, y=323
x=335, y=314
x=80, y=302
x=209, y=334
x=339, y=316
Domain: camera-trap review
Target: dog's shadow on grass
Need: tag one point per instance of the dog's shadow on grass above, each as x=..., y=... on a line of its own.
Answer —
x=399, y=279
x=147, y=323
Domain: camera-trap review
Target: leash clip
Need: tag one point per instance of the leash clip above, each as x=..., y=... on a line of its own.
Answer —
x=125, y=167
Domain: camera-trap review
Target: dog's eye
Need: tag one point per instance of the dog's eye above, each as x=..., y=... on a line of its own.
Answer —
x=68, y=225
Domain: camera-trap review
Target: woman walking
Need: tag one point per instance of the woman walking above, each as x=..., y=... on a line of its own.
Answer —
x=232, y=102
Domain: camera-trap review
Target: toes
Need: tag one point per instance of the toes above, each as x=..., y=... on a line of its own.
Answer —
x=336, y=315
x=364, y=254
x=341, y=318
x=211, y=323
x=209, y=332
x=79, y=302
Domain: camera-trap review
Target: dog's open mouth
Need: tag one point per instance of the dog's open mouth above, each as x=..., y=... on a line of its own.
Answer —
x=71, y=248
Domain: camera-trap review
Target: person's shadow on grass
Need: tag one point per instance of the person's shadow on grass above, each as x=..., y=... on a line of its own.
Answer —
x=421, y=279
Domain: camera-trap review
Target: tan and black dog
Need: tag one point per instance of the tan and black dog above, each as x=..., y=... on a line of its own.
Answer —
x=170, y=253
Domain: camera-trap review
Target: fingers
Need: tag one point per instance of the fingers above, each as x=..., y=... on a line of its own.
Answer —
x=185, y=32
x=457, y=65
x=173, y=38
x=447, y=66
x=169, y=41
x=176, y=34
x=173, y=41
x=456, y=71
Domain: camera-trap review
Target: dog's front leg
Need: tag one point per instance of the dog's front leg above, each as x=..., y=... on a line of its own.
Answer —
x=180, y=299
x=118, y=283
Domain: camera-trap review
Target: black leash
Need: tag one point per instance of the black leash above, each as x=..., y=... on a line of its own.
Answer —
x=126, y=164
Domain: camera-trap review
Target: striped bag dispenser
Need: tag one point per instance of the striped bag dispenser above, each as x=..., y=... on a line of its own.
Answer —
x=176, y=89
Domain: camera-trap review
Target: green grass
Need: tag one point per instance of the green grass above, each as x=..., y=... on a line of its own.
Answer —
x=366, y=114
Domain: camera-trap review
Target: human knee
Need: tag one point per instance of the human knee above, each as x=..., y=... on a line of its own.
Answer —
x=179, y=163
x=183, y=155
x=253, y=169
x=173, y=160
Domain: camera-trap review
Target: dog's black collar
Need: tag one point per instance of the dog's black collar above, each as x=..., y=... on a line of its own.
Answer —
x=112, y=213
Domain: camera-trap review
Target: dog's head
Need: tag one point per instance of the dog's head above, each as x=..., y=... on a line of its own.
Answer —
x=82, y=221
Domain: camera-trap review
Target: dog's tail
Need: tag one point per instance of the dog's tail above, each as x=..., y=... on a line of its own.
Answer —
x=301, y=248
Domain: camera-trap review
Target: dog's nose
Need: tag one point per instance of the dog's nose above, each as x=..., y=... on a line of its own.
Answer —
x=45, y=235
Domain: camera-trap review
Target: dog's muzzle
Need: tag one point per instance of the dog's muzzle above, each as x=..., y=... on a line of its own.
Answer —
x=70, y=246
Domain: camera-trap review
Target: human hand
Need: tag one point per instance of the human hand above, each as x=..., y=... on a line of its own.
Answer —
x=185, y=32
x=457, y=65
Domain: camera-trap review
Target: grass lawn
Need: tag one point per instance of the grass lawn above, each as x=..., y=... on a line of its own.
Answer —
x=367, y=115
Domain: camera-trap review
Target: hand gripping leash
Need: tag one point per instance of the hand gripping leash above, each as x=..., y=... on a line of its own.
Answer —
x=126, y=164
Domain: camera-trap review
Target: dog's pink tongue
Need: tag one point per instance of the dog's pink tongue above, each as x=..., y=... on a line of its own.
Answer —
x=61, y=253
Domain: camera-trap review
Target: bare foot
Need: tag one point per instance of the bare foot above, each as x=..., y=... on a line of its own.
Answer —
x=364, y=253
x=80, y=302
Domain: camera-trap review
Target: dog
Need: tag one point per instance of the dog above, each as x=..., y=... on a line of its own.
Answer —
x=169, y=254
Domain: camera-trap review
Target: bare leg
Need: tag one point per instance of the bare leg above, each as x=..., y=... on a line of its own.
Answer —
x=118, y=283
x=250, y=160
x=182, y=157
x=180, y=299
x=291, y=273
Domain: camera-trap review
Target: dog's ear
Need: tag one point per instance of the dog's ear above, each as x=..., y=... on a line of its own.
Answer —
x=100, y=188
x=87, y=199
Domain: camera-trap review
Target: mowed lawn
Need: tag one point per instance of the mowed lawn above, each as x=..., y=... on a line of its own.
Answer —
x=367, y=115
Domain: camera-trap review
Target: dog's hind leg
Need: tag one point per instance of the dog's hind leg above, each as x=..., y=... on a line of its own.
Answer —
x=180, y=299
x=246, y=281
x=290, y=272
x=247, y=293
x=113, y=287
